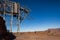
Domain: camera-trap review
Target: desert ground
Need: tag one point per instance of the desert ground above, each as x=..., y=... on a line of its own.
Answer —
x=50, y=34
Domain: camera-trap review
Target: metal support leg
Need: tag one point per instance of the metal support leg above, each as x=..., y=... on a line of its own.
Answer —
x=18, y=29
x=11, y=18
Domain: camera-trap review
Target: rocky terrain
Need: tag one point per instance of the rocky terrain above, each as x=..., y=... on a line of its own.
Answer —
x=50, y=34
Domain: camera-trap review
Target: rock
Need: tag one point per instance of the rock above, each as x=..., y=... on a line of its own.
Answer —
x=4, y=34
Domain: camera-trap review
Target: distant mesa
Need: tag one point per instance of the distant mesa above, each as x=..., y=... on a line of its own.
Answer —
x=53, y=32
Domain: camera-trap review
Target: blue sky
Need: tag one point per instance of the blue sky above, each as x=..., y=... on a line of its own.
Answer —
x=44, y=14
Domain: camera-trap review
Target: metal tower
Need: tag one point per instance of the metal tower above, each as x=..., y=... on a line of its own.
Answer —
x=14, y=10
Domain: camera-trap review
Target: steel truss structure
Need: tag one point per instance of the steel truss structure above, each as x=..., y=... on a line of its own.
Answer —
x=14, y=10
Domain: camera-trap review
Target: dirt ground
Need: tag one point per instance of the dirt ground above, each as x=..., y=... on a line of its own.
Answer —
x=50, y=34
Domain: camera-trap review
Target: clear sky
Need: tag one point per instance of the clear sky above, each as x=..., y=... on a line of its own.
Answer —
x=44, y=14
